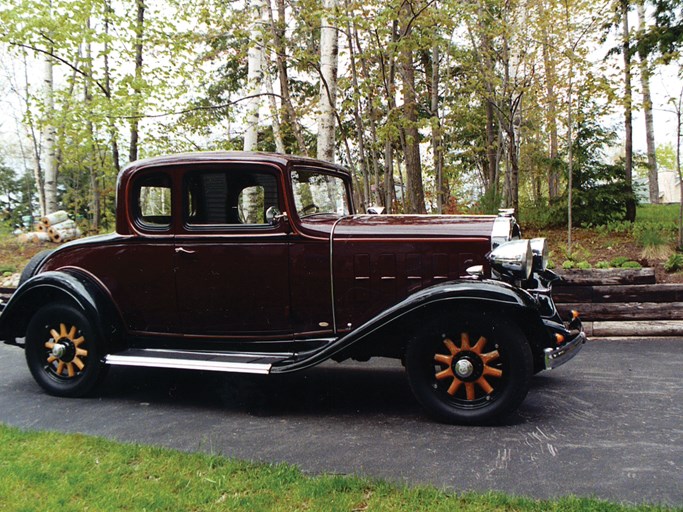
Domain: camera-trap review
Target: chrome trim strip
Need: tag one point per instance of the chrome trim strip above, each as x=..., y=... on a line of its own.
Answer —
x=334, y=308
x=187, y=364
x=555, y=357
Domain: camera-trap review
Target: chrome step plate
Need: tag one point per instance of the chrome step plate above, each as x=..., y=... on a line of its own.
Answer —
x=195, y=360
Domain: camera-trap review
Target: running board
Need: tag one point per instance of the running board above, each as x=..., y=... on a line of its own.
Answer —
x=236, y=362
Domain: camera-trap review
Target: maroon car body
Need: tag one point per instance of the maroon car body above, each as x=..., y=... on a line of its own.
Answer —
x=256, y=263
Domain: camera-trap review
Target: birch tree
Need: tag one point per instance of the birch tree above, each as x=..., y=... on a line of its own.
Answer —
x=254, y=78
x=645, y=73
x=329, y=50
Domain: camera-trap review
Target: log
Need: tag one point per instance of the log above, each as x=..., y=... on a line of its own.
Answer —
x=54, y=218
x=607, y=276
x=34, y=237
x=63, y=232
x=572, y=293
x=665, y=292
x=624, y=311
x=642, y=328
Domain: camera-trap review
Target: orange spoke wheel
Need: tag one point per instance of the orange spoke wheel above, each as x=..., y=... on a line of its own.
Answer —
x=470, y=370
x=474, y=368
x=66, y=355
x=63, y=350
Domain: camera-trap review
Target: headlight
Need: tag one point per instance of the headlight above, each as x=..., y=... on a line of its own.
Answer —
x=514, y=259
x=539, y=248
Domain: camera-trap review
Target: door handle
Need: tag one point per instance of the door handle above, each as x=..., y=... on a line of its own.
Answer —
x=182, y=250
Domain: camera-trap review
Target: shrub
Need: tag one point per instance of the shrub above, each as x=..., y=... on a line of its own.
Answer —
x=568, y=265
x=674, y=263
x=583, y=265
x=602, y=264
x=618, y=261
x=631, y=264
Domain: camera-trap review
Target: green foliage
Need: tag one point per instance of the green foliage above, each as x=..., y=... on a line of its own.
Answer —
x=542, y=216
x=602, y=264
x=583, y=265
x=618, y=261
x=659, y=213
x=631, y=264
x=15, y=196
x=674, y=263
x=666, y=157
x=600, y=191
x=568, y=265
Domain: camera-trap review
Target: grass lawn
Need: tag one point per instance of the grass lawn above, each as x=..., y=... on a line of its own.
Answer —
x=51, y=471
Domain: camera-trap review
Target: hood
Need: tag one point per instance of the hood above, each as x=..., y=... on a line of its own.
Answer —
x=419, y=226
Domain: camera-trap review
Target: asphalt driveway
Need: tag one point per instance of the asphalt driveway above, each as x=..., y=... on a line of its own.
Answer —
x=607, y=425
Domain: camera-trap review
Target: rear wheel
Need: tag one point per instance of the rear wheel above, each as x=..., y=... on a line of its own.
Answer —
x=63, y=351
x=470, y=370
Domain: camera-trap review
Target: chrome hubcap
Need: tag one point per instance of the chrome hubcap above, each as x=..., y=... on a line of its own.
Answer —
x=58, y=350
x=464, y=368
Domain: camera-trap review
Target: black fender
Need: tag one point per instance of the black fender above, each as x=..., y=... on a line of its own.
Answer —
x=488, y=295
x=71, y=285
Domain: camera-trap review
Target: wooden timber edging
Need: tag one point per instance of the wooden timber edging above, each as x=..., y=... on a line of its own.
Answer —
x=621, y=302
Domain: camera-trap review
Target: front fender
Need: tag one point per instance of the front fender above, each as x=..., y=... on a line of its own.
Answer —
x=71, y=286
x=494, y=294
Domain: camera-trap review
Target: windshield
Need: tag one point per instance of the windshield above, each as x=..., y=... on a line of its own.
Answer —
x=318, y=193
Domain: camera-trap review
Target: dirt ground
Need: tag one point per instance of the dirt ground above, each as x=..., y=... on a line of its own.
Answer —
x=587, y=245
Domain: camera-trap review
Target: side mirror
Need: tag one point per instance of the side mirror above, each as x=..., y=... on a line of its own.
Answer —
x=274, y=215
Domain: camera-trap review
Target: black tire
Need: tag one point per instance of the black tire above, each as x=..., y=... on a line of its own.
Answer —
x=32, y=265
x=63, y=351
x=458, y=378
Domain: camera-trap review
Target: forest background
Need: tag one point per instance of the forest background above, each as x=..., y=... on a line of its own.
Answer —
x=438, y=106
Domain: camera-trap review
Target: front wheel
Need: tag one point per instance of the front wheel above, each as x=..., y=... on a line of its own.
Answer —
x=63, y=351
x=470, y=370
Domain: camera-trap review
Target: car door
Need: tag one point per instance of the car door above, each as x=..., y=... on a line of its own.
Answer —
x=232, y=265
x=139, y=272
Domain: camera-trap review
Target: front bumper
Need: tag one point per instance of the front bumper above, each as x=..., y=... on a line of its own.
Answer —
x=555, y=357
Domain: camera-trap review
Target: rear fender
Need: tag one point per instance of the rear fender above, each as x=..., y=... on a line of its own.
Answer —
x=74, y=287
x=402, y=321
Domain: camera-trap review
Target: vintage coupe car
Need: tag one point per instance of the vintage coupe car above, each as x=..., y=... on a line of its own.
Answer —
x=256, y=263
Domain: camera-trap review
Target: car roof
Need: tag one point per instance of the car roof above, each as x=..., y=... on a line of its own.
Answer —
x=281, y=160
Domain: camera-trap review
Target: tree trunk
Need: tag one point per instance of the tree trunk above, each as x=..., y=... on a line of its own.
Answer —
x=137, y=86
x=34, y=139
x=92, y=169
x=432, y=75
x=360, y=127
x=107, y=87
x=328, y=81
x=372, y=115
x=647, y=110
x=49, y=136
x=628, y=113
x=679, y=121
x=289, y=117
x=254, y=79
x=274, y=111
x=415, y=193
x=551, y=98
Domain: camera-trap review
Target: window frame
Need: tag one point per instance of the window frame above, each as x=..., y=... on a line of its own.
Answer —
x=138, y=220
x=188, y=228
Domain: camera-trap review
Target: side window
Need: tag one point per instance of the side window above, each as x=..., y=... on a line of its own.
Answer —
x=233, y=197
x=319, y=193
x=153, y=201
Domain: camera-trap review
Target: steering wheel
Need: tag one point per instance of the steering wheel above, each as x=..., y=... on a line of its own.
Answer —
x=310, y=208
